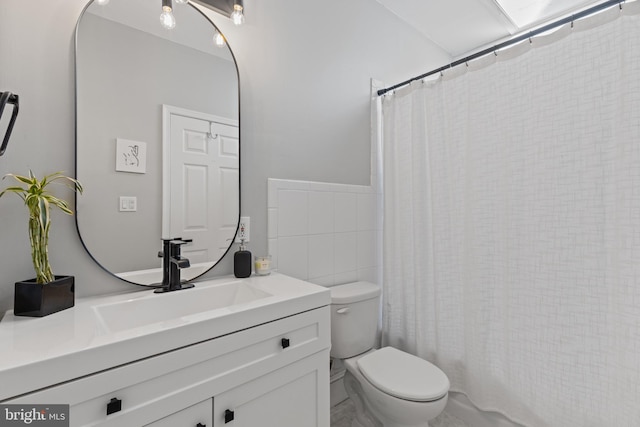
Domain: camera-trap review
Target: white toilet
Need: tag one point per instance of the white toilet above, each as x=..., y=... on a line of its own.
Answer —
x=389, y=388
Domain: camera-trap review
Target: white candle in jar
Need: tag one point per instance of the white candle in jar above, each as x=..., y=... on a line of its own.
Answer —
x=263, y=265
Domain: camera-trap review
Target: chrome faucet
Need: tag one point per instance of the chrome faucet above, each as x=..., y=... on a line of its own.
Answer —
x=172, y=263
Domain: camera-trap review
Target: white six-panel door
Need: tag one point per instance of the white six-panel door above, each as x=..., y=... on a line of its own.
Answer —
x=203, y=164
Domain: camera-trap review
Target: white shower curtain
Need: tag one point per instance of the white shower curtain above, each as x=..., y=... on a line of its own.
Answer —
x=512, y=225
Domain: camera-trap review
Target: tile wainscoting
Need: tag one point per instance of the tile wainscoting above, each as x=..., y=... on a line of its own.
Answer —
x=324, y=233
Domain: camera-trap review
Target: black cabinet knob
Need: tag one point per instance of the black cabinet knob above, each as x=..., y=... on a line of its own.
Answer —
x=285, y=342
x=228, y=416
x=115, y=405
x=201, y=425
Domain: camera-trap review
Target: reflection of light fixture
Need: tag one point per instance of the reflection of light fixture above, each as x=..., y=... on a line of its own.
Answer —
x=237, y=16
x=167, y=19
x=182, y=1
x=102, y=2
x=218, y=39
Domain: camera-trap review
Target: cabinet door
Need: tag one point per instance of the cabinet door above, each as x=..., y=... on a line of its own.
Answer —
x=198, y=415
x=294, y=396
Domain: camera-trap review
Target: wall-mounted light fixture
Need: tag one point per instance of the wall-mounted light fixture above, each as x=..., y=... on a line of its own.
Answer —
x=237, y=16
x=233, y=9
x=167, y=20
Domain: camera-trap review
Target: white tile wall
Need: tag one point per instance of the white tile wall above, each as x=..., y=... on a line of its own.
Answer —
x=323, y=232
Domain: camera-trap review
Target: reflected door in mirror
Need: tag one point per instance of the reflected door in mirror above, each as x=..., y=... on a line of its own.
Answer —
x=203, y=172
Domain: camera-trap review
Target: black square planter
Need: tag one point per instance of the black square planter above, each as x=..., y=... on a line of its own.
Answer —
x=38, y=300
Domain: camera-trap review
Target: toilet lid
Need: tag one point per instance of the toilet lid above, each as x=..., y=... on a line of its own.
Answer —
x=354, y=292
x=403, y=375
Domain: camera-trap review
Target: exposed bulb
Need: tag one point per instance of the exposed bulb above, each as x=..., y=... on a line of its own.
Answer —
x=102, y=2
x=167, y=19
x=237, y=16
x=218, y=39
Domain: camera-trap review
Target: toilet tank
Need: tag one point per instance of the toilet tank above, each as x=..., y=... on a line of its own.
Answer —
x=354, y=318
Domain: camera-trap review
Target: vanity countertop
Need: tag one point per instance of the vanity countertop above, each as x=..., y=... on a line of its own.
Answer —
x=40, y=352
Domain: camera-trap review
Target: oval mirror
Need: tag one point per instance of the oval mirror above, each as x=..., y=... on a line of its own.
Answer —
x=157, y=138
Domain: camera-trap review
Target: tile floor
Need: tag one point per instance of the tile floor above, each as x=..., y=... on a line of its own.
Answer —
x=343, y=413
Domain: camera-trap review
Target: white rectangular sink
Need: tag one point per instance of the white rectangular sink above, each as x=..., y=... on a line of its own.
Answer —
x=173, y=307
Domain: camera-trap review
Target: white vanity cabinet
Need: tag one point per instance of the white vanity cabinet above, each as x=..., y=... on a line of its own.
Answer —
x=273, y=374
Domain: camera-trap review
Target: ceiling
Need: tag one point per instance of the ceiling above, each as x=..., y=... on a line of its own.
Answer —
x=459, y=27
x=462, y=26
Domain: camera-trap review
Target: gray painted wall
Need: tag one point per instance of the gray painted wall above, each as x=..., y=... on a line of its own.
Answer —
x=304, y=74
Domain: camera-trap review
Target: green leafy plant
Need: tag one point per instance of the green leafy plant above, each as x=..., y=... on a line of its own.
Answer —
x=38, y=199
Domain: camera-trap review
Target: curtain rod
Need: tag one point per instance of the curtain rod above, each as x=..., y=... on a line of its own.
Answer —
x=590, y=11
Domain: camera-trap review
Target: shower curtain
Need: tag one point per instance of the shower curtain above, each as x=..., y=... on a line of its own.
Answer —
x=512, y=225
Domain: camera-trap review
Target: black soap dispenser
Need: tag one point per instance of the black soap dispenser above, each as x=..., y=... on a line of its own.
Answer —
x=242, y=262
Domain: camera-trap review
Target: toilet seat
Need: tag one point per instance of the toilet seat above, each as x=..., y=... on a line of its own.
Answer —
x=403, y=375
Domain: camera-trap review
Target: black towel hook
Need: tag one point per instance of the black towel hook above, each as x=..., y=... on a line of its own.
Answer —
x=8, y=98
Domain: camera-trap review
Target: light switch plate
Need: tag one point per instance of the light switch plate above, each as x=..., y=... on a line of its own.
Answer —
x=128, y=203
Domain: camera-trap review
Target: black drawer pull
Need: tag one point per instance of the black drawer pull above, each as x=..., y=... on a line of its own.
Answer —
x=115, y=405
x=201, y=425
x=228, y=416
x=285, y=342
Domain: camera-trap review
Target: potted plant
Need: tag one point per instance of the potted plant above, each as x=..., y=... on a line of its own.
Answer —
x=46, y=293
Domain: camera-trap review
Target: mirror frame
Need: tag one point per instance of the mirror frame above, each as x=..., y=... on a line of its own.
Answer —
x=75, y=85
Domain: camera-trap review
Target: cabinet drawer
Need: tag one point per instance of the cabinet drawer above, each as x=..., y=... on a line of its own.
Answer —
x=198, y=415
x=156, y=387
